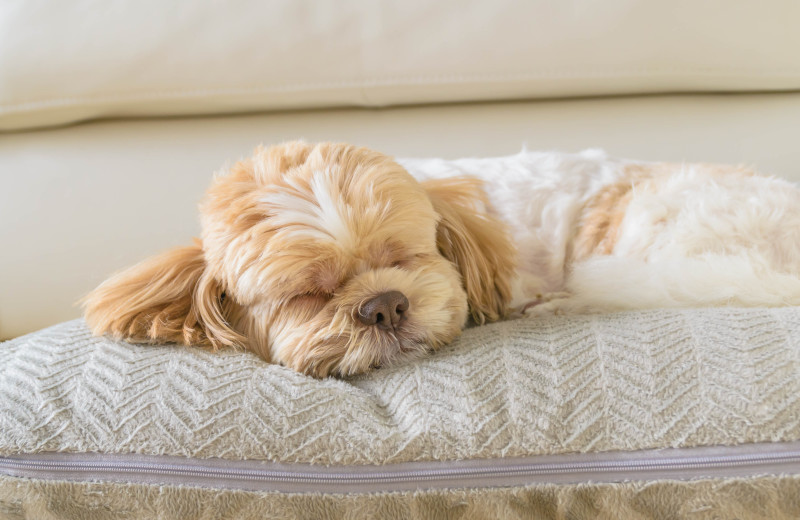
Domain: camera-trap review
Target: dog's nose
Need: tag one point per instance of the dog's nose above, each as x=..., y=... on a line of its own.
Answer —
x=385, y=310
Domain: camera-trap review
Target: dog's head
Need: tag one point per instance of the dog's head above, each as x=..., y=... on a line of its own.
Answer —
x=329, y=259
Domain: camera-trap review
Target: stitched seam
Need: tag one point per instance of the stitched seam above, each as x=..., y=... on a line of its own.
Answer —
x=367, y=83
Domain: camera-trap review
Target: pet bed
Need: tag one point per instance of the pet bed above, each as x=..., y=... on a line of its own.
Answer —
x=668, y=413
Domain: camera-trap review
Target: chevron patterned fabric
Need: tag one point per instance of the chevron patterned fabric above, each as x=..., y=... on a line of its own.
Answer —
x=531, y=386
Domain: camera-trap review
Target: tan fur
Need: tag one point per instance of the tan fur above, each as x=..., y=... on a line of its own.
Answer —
x=476, y=243
x=602, y=216
x=166, y=298
x=298, y=238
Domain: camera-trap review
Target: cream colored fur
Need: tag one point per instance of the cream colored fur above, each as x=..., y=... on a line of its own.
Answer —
x=675, y=236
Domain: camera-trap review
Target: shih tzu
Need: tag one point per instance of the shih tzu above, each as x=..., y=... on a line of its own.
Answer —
x=333, y=259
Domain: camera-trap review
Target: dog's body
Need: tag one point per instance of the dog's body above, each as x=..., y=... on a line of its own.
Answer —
x=594, y=234
x=332, y=259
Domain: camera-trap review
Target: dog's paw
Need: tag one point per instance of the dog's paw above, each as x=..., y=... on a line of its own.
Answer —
x=548, y=304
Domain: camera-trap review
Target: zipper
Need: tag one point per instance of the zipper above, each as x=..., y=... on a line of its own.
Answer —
x=672, y=463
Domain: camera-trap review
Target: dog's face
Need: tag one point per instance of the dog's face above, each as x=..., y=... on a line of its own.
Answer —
x=332, y=254
x=329, y=259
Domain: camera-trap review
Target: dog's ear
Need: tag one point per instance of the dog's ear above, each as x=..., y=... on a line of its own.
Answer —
x=169, y=298
x=476, y=242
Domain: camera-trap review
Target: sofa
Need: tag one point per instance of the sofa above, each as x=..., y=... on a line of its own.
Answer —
x=113, y=120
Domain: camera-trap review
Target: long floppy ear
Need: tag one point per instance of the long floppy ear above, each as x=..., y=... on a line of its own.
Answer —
x=169, y=298
x=476, y=242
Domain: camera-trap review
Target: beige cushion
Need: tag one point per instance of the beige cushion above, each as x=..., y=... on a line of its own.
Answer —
x=629, y=381
x=528, y=387
x=63, y=62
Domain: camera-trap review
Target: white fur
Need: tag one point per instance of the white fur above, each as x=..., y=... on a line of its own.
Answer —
x=697, y=240
x=320, y=218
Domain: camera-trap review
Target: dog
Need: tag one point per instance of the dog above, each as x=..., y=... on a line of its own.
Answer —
x=333, y=260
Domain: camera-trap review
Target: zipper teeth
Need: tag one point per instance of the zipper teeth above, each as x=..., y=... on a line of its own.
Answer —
x=303, y=476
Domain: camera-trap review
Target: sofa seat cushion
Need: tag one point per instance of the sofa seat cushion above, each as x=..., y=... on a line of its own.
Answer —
x=99, y=178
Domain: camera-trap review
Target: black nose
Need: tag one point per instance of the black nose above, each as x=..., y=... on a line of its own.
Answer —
x=385, y=310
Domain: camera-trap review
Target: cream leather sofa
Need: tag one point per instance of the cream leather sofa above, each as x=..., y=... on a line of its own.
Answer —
x=115, y=117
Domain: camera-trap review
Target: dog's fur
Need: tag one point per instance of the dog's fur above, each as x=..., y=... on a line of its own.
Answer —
x=299, y=239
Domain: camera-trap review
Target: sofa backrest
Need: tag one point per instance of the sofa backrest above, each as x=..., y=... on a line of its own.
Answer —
x=63, y=62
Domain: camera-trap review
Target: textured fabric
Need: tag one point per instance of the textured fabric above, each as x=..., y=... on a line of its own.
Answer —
x=63, y=62
x=531, y=386
x=767, y=498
